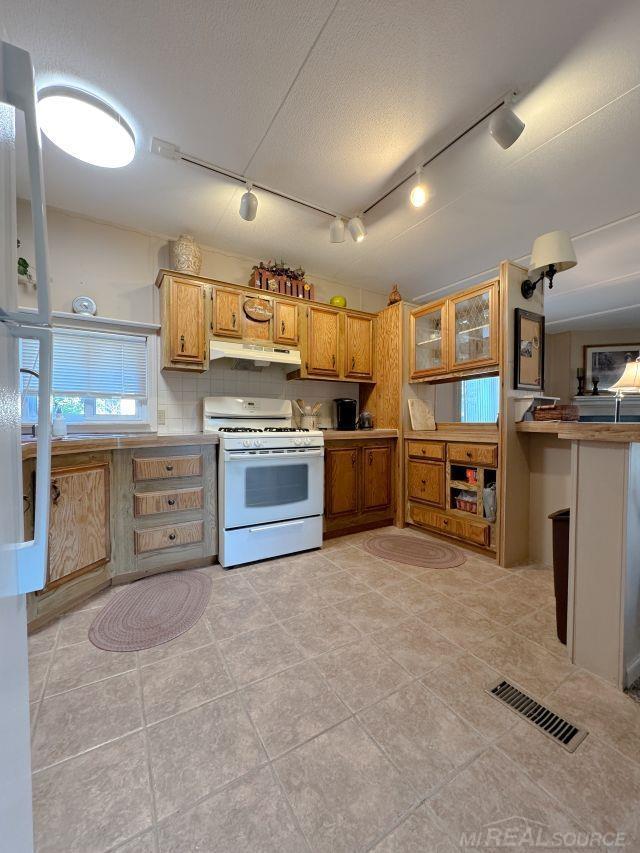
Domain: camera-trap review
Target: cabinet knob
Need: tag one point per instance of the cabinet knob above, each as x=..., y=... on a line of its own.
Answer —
x=171, y=501
x=353, y=362
x=282, y=328
x=233, y=319
x=169, y=467
x=424, y=482
x=353, y=458
x=469, y=454
x=333, y=360
x=370, y=458
x=172, y=536
x=55, y=491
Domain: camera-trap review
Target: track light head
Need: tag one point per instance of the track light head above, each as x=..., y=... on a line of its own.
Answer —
x=249, y=204
x=336, y=230
x=357, y=229
x=419, y=194
x=505, y=126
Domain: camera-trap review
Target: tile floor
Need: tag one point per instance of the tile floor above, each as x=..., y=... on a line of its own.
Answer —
x=328, y=702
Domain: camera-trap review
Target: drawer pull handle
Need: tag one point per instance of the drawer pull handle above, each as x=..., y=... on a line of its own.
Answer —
x=333, y=360
x=169, y=467
x=424, y=482
x=171, y=501
x=445, y=521
x=181, y=343
x=469, y=454
x=282, y=328
x=353, y=362
x=172, y=536
x=370, y=458
x=233, y=320
x=353, y=458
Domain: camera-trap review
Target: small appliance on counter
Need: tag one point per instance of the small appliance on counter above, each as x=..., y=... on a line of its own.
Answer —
x=365, y=421
x=308, y=413
x=346, y=410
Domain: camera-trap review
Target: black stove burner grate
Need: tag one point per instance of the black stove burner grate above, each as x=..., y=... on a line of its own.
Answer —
x=239, y=429
x=284, y=429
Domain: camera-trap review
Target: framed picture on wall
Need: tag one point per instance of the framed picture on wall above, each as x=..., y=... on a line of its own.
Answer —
x=606, y=363
x=528, y=356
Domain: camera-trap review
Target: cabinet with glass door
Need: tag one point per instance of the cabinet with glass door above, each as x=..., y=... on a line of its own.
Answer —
x=455, y=335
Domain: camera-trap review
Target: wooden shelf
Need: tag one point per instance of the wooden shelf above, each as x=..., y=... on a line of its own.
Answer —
x=462, y=484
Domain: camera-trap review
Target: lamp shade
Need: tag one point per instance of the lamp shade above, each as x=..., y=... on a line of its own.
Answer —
x=629, y=382
x=554, y=248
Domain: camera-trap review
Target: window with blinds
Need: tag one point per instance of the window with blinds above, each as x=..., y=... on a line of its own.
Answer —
x=479, y=399
x=98, y=377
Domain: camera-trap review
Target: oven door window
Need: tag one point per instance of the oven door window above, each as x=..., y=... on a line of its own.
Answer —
x=270, y=486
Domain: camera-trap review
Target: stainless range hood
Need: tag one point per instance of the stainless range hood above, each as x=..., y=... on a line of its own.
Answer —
x=261, y=356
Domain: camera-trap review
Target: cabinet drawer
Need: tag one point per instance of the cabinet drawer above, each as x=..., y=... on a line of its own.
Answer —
x=471, y=531
x=166, y=467
x=427, y=450
x=425, y=482
x=169, y=536
x=476, y=454
x=152, y=503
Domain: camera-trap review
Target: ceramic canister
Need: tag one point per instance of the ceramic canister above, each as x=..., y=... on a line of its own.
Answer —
x=186, y=255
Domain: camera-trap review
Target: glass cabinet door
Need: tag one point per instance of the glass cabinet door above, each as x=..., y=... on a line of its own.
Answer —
x=473, y=328
x=428, y=341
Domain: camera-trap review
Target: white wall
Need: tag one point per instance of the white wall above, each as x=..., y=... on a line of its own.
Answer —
x=117, y=267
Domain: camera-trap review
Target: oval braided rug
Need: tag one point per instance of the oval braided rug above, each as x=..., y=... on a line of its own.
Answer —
x=151, y=611
x=414, y=551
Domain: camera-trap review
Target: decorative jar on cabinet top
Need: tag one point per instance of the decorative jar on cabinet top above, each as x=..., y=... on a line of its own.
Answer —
x=186, y=255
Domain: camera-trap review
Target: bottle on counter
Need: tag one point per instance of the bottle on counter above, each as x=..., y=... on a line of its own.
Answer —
x=59, y=425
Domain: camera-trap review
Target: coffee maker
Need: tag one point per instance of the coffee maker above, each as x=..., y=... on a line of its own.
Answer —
x=346, y=410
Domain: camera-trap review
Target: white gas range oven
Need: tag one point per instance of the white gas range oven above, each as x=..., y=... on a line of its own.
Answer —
x=270, y=479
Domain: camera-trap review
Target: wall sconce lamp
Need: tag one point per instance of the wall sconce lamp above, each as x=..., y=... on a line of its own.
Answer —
x=551, y=253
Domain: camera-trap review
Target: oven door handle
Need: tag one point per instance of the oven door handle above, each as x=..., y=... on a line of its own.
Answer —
x=247, y=455
x=265, y=527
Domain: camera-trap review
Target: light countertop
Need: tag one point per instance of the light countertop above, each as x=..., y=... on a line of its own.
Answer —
x=360, y=434
x=456, y=432
x=85, y=443
x=583, y=430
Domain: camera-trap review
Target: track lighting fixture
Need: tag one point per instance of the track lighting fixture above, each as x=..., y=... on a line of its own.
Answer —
x=505, y=126
x=249, y=204
x=336, y=230
x=357, y=229
x=419, y=194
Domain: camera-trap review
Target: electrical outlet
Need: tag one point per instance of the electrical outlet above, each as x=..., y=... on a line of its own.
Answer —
x=162, y=417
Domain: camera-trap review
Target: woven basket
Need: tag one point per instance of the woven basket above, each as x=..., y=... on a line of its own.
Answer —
x=556, y=413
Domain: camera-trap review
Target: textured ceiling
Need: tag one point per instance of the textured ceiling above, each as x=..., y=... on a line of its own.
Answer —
x=333, y=101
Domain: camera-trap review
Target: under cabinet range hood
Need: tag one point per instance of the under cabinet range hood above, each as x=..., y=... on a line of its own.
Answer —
x=259, y=355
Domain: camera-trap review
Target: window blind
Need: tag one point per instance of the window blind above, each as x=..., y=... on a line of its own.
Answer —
x=91, y=364
x=479, y=400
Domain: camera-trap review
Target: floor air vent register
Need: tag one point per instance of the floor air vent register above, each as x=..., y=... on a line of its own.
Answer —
x=553, y=725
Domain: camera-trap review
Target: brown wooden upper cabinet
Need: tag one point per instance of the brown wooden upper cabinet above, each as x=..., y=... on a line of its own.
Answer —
x=226, y=313
x=285, y=323
x=186, y=314
x=456, y=334
x=358, y=347
x=323, y=336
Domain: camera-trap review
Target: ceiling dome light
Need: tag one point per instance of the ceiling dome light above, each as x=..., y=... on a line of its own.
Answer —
x=249, y=204
x=505, y=126
x=419, y=194
x=357, y=229
x=336, y=230
x=85, y=127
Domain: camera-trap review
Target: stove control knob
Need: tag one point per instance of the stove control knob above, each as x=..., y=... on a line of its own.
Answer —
x=307, y=441
x=257, y=442
x=246, y=443
x=297, y=441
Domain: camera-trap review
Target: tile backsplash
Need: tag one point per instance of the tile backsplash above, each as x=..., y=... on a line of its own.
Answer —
x=180, y=394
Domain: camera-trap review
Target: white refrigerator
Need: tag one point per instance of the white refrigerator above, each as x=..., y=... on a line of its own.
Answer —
x=23, y=565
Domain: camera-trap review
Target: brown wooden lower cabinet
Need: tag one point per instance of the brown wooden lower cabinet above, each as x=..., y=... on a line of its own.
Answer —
x=79, y=533
x=476, y=532
x=358, y=485
x=425, y=482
